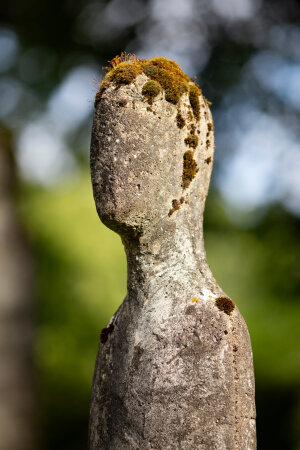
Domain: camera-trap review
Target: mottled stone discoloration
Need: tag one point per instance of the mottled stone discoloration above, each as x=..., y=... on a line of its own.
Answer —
x=173, y=374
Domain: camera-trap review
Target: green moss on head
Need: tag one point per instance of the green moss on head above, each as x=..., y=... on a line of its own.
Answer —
x=169, y=75
x=180, y=120
x=165, y=72
x=172, y=96
x=189, y=169
x=192, y=141
x=225, y=304
x=125, y=72
x=150, y=90
x=194, y=94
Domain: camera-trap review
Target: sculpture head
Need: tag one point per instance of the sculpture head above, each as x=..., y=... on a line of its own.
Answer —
x=152, y=145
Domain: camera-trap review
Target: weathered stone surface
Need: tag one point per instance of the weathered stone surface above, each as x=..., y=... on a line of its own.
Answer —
x=174, y=371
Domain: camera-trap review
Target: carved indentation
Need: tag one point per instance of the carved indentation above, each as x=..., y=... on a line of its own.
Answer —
x=105, y=332
x=122, y=102
x=137, y=354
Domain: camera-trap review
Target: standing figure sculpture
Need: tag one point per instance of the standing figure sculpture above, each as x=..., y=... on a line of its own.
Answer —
x=174, y=368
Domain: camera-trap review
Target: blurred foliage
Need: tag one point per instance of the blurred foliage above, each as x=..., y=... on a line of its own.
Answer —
x=81, y=279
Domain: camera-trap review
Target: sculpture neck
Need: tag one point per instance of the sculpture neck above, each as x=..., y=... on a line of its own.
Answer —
x=169, y=252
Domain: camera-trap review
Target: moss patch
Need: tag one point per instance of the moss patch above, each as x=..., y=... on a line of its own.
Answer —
x=180, y=120
x=167, y=73
x=189, y=169
x=192, y=141
x=225, y=304
x=175, y=205
x=194, y=94
x=150, y=90
x=124, y=73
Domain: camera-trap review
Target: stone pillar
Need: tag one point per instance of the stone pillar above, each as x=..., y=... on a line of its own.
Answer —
x=174, y=368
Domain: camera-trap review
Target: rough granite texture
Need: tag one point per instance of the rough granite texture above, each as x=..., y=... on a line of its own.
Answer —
x=174, y=371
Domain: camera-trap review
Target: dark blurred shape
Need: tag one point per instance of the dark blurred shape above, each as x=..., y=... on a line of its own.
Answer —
x=277, y=406
x=17, y=399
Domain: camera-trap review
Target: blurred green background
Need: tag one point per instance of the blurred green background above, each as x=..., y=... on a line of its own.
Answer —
x=246, y=56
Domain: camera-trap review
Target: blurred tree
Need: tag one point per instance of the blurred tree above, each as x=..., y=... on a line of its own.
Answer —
x=17, y=396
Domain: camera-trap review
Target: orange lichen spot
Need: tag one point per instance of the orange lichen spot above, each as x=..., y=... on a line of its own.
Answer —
x=195, y=300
